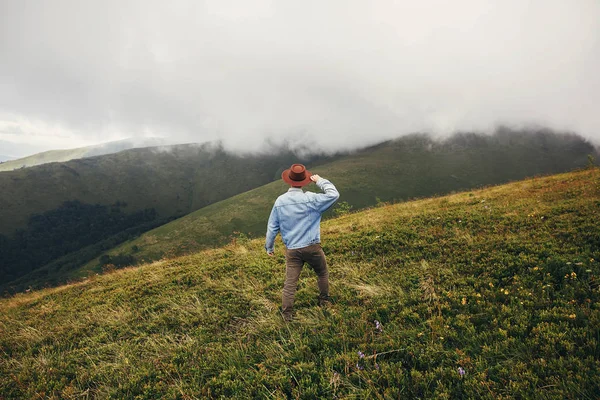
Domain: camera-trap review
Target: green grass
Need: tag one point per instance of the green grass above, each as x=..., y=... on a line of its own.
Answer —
x=502, y=282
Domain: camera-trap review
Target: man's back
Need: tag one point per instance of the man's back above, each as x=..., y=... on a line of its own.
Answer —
x=297, y=215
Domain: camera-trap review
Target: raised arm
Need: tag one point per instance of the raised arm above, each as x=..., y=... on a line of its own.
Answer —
x=328, y=197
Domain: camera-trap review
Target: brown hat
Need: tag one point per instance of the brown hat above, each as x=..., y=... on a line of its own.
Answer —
x=296, y=175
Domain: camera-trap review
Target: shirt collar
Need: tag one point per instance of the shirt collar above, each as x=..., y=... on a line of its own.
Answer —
x=295, y=190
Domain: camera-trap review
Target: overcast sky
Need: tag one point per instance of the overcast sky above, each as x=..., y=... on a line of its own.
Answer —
x=337, y=73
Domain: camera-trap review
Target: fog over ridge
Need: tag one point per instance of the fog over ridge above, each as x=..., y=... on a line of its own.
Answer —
x=335, y=75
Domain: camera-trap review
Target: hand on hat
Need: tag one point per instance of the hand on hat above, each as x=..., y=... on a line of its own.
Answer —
x=315, y=177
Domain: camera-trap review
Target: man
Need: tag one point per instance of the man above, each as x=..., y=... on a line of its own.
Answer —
x=297, y=215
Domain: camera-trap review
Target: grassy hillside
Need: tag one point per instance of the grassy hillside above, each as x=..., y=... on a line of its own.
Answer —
x=501, y=283
x=410, y=167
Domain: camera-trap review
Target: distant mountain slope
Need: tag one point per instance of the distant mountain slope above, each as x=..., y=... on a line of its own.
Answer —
x=138, y=184
x=172, y=179
x=81, y=152
x=486, y=294
x=15, y=150
x=4, y=158
x=409, y=167
x=54, y=210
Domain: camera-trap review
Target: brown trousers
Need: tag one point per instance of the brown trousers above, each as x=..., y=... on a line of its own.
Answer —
x=294, y=261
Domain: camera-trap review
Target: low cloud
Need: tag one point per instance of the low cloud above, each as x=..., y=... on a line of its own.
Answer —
x=333, y=75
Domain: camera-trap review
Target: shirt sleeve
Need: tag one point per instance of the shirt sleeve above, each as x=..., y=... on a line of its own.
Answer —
x=272, y=230
x=325, y=200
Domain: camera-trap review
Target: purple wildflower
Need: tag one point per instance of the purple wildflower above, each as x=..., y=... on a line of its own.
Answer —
x=359, y=367
x=376, y=366
x=378, y=326
x=461, y=371
x=361, y=354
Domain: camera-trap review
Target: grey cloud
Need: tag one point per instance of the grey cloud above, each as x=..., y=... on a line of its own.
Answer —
x=338, y=73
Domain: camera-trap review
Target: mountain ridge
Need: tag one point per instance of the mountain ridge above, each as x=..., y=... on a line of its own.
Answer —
x=64, y=155
x=184, y=178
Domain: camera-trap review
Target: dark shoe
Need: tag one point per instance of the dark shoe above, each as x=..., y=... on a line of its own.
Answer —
x=324, y=301
x=287, y=315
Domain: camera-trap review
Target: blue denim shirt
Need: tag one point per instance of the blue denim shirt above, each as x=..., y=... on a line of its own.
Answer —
x=297, y=215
